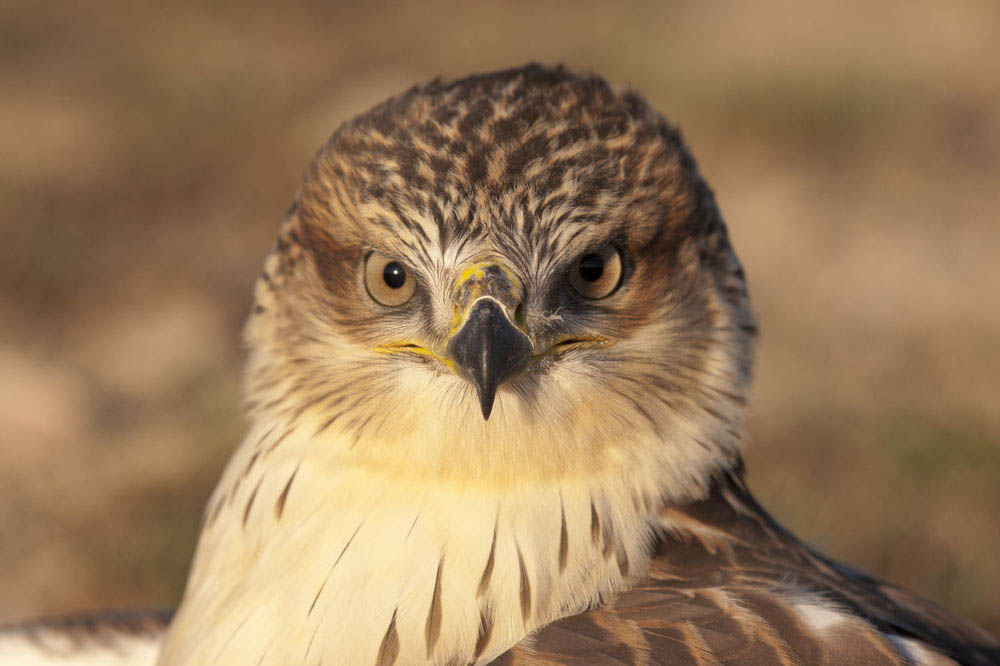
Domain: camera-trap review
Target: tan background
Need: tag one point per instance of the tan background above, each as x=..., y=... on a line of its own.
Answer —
x=146, y=157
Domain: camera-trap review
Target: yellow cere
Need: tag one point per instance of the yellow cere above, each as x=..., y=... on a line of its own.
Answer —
x=456, y=321
x=477, y=272
x=474, y=271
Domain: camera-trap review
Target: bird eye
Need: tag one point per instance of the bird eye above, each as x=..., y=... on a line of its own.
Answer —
x=597, y=274
x=387, y=281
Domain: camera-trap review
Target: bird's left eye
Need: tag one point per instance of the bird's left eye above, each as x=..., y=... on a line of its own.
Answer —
x=597, y=274
x=387, y=280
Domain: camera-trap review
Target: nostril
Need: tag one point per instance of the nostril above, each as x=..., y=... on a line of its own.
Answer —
x=519, y=315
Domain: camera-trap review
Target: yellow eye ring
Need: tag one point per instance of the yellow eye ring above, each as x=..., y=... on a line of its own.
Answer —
x=597, y=274
x=387, y=280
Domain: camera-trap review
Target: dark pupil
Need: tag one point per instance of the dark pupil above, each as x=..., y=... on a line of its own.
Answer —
x=394, y=275
x=591, y=267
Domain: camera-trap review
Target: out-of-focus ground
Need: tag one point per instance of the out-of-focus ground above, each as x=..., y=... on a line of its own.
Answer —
x=147, y=155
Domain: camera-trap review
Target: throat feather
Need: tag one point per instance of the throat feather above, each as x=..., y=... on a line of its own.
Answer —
x=369, y=571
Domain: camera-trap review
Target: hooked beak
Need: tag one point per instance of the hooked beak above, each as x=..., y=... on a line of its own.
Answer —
x=487, y=347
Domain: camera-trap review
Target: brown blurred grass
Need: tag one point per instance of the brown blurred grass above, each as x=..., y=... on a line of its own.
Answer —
x=147, y=155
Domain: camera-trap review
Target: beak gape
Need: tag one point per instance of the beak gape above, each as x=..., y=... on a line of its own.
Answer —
x=489, y=349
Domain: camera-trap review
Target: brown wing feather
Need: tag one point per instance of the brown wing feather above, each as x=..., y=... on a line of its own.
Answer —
x=724, y=589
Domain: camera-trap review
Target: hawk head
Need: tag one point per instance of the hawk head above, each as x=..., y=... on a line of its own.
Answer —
x=516, y=274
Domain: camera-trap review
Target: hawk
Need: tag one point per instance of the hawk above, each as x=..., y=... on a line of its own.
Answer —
x=499, y=365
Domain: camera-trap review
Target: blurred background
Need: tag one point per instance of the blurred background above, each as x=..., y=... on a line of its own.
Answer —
x=147, y=155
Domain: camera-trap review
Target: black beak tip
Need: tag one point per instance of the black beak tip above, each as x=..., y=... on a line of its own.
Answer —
x=486, y=403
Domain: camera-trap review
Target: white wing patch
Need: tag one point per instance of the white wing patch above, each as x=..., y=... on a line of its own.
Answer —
x=821, y=616
x=828, y=619
x=918, y=653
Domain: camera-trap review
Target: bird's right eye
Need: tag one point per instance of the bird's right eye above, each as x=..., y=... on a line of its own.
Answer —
x=387, y=280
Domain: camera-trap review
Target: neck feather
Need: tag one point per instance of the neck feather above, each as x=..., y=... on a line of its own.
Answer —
x=310, y=551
